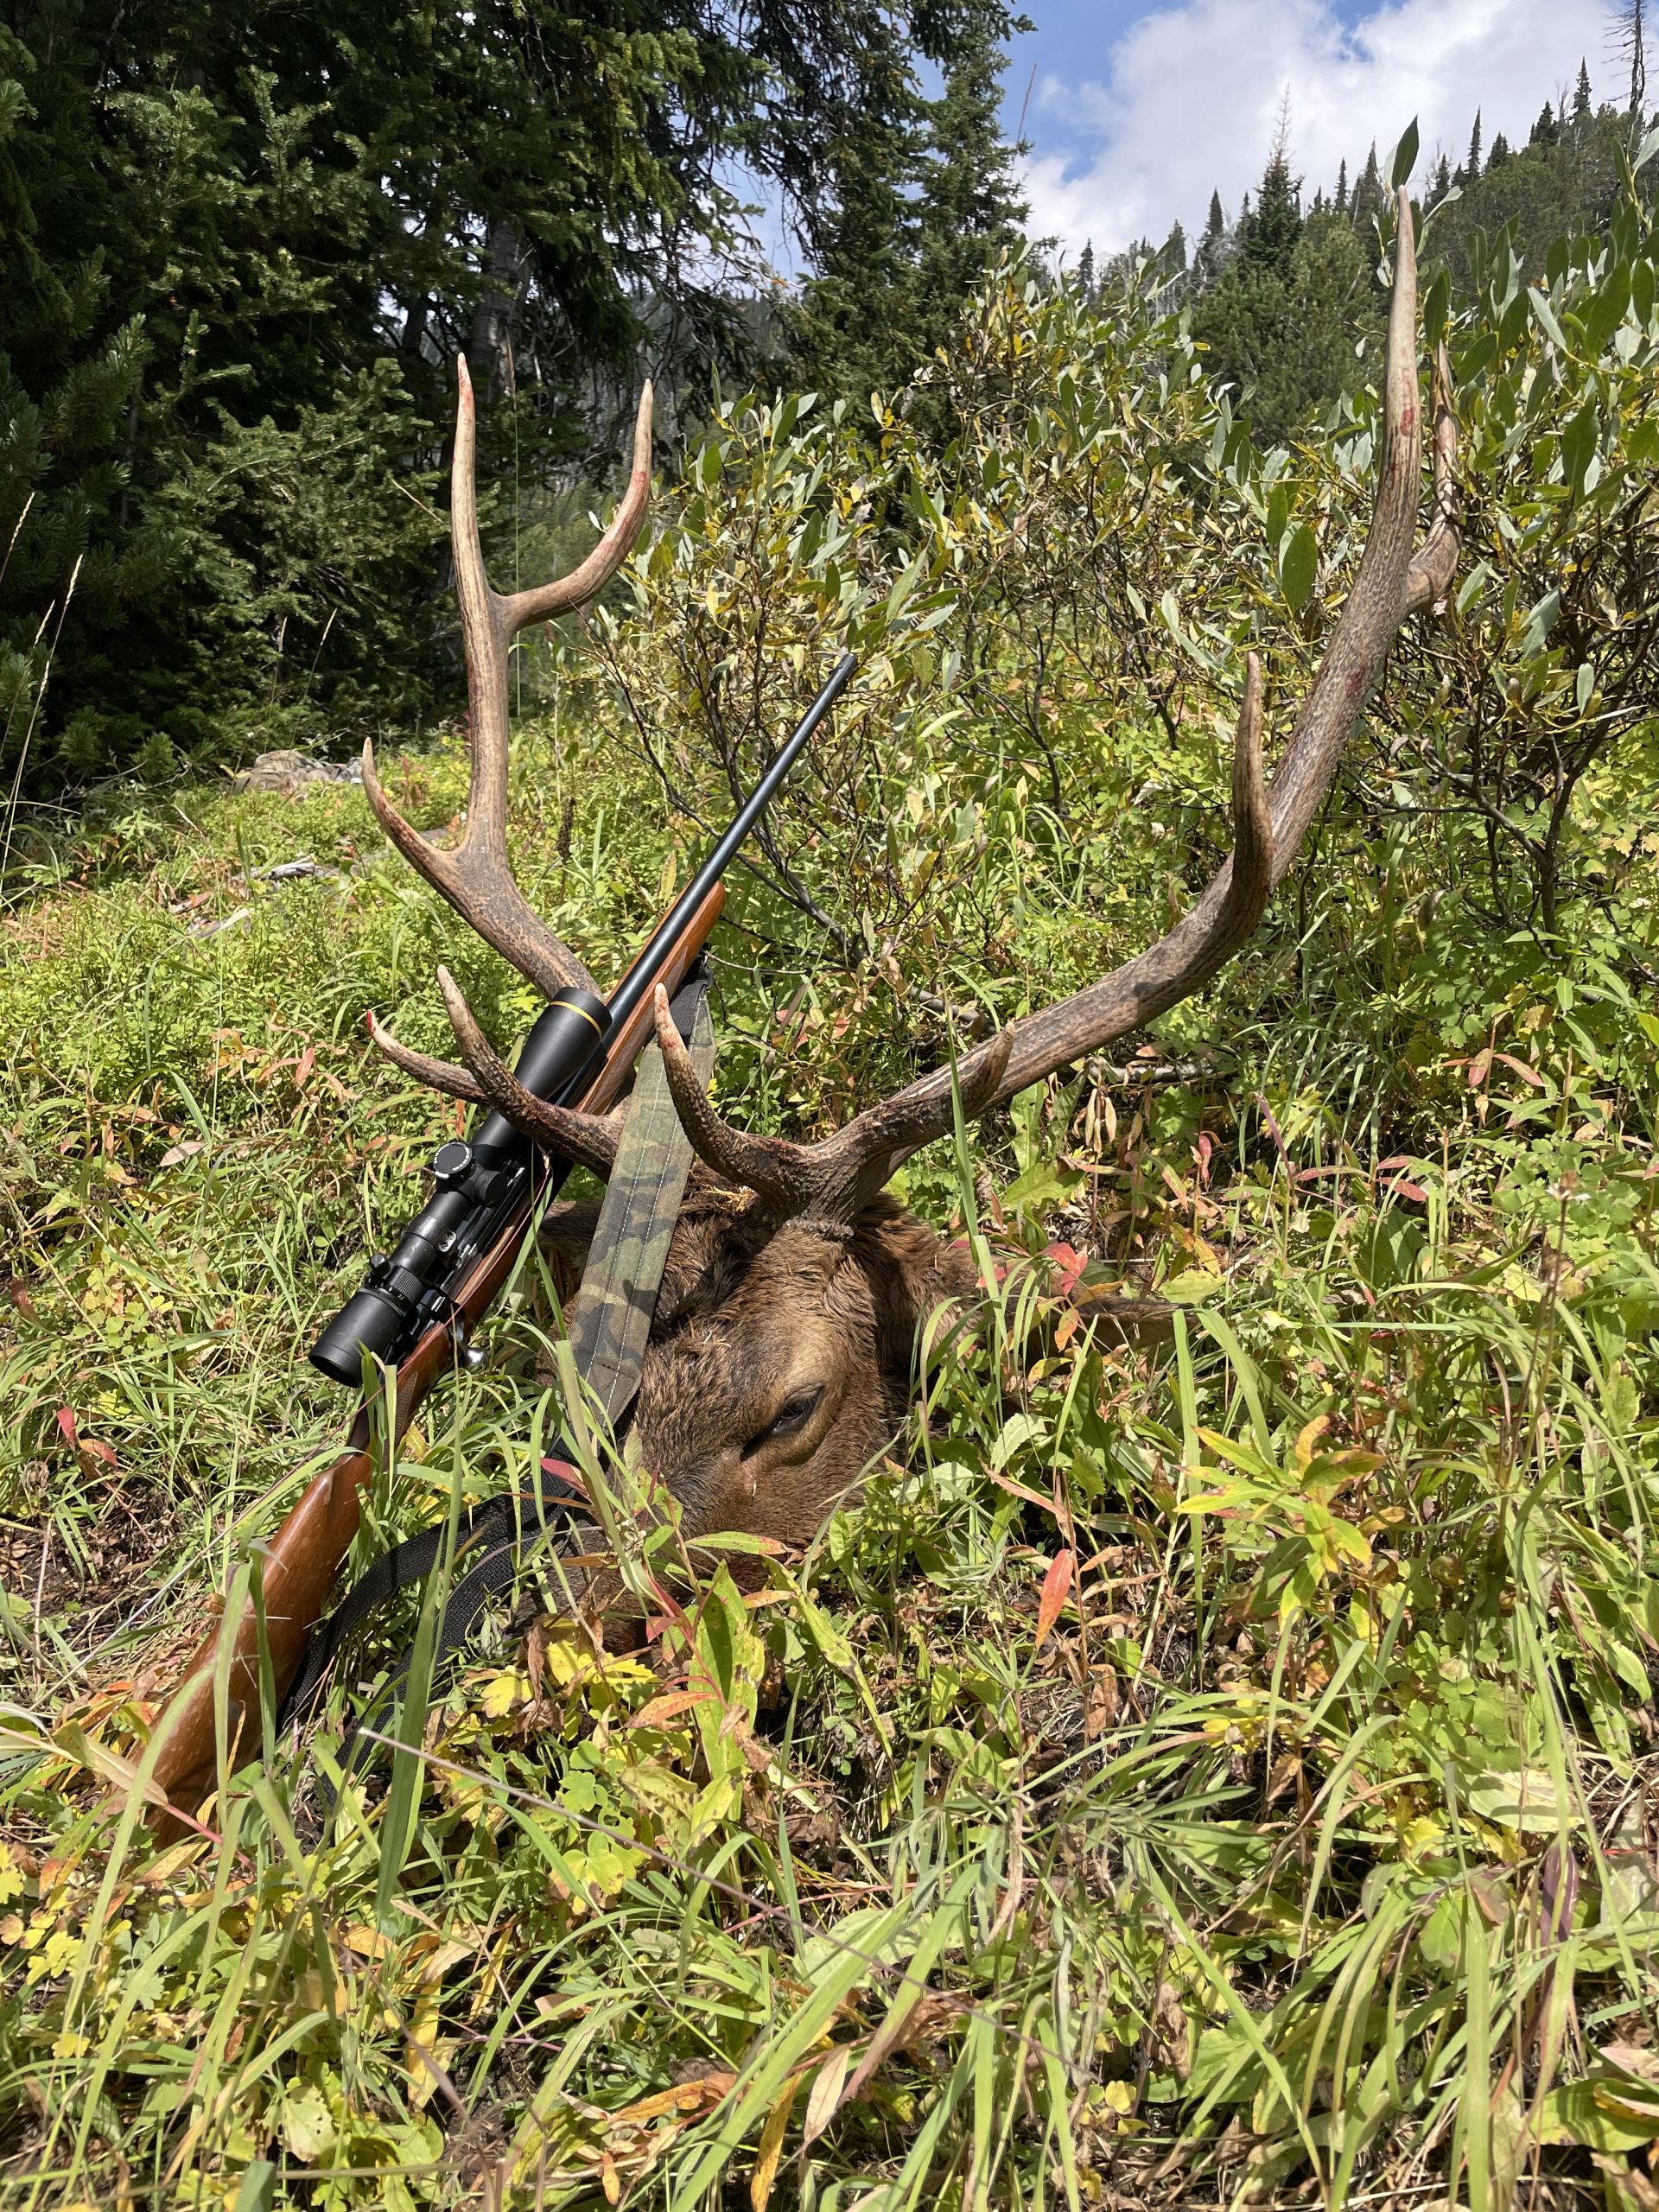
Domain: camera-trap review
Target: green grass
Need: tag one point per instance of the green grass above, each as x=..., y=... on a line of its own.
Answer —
x=1207, y=1769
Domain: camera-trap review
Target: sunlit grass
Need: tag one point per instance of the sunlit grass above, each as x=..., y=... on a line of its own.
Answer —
x=1204, y=1768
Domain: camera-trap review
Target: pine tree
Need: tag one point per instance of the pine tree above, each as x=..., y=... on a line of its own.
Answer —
x=1342, y=186
x=855, y=332
x=1472, y=165
x=1368, y=201
x=1267, y=235
x=1212, y=245
x=1442, y=183
x=239, y=249
x=1546, y=132
x=1172, y=255
x=924, y=203
x=1086, y=269
x=1499, y=155
x=971, y=210
x=1581, y=103
x=1277, y=317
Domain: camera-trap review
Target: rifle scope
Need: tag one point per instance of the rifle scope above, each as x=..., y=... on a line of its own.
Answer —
x=480, y=1178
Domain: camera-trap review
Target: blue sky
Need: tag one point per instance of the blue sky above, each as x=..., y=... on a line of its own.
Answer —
x=1134, y=112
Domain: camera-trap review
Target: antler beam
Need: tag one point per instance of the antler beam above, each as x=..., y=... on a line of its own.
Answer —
x=834, y=1177
x=476, y=876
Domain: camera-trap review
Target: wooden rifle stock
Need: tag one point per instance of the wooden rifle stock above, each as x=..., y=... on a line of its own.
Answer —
x=302, y=1559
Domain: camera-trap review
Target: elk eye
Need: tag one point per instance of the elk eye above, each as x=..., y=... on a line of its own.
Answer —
x=790, y=1418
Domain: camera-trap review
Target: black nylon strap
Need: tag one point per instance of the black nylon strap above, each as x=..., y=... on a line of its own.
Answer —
x=498, y=1531
x=499, y=1525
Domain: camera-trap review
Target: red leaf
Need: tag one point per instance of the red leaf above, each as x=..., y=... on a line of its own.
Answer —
x=664, y=1709
x=1401, y=1186
x=1526, y=1073
x=1057, y=1587
x=1068, y=1266
x=68, y=1424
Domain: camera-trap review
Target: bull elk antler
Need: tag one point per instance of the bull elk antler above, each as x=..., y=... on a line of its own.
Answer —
x=833, y=1179
x=476, y=876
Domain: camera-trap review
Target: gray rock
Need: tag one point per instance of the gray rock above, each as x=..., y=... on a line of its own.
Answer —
x=290, y=771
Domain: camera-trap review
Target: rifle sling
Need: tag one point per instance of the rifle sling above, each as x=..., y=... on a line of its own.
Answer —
x=609, y=1325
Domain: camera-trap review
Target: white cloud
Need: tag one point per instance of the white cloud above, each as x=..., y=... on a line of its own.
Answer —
x=1189, y=100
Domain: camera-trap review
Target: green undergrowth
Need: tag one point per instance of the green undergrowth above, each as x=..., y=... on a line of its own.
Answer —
x=1209, y=1766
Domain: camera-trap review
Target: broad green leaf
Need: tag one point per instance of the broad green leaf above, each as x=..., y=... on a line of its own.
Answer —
x=1593, y=2115
x=1545, y=315
x=1579, y=442
x=1436, y=299
x=1405, y=157
x=1190, y=1287
x=1540, y=622
x=1299, y=564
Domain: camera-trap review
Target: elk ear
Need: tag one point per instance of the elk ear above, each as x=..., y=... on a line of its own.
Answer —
x=568, y=1227
x=913, y=1272
x=566, y=1230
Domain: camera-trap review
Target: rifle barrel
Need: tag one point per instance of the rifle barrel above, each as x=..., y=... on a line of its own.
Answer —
x=642, y=975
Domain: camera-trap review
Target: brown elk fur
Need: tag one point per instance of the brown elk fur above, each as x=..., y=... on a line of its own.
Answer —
x=810, y=1322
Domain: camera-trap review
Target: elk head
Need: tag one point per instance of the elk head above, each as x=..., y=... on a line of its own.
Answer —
x=784, y=1335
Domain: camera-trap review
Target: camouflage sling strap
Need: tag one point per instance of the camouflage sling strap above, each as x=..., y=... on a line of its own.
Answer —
x=609, y=1321
x=608, y=1324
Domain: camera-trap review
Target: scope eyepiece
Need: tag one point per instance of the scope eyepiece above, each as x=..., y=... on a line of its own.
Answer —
x=476, y=1180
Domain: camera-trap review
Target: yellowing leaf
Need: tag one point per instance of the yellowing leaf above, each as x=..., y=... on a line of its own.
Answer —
x=308, y=2126
x=500, y=1693
x=772, y=2148
x=1525, y=1801
x=827, y=2084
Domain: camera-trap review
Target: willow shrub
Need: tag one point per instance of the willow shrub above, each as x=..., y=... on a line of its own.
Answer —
x=1053, y=613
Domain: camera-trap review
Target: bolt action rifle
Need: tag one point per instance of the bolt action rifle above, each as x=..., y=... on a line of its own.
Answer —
x=420, y=1308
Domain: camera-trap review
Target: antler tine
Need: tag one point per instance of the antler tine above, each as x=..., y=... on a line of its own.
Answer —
x=1268, y=826
x=475, y=876
x=766, y=1166
x=1434, y=563
x=546, y=600
x=589, y=1139
x=436, y=1075
x=832, y=1179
